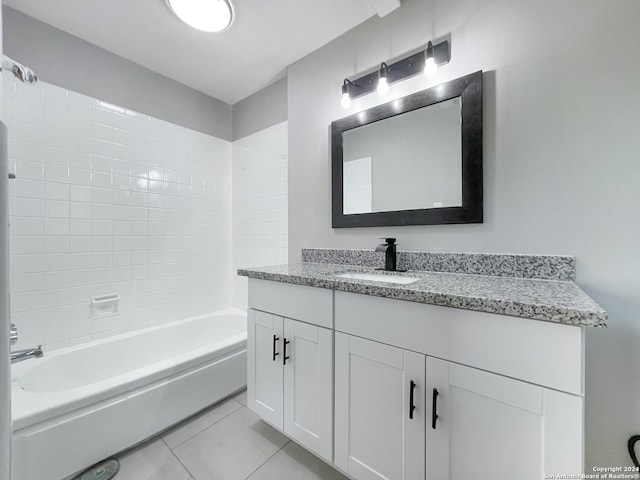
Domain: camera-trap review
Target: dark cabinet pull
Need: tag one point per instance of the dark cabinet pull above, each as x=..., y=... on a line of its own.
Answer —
x=275, y=341
x=285, y=357
x=434, y=409
x=412, y=407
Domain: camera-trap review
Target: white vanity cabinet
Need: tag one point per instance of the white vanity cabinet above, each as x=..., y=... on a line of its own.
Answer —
x=290, y=366
x=487, y=427
x=308, y=386
x=503, y=393
x=380, y=410
x=396, y=419
x=421, y=391
x=265, y=372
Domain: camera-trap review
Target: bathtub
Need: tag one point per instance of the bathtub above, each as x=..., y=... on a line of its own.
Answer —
x=79, y=405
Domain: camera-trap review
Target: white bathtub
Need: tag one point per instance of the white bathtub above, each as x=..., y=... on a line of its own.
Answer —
x=77, y=406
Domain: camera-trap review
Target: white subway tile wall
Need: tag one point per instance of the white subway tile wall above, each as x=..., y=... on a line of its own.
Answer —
x=260, y=209
x=106, y=201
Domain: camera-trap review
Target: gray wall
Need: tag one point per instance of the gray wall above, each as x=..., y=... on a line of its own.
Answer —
x=561, y=156
x=69, y=62
x=263, y=109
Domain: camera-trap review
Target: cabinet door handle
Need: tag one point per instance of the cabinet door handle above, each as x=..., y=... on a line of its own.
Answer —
x=434, y=408
x=412, y=407
x=275, y=341
x=284, y=353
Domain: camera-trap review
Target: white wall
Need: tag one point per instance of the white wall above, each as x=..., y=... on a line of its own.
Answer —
x=561, y=156
x=111, y=201
x=259, y=203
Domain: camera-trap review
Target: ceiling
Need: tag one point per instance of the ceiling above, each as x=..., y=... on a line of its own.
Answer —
x=265, y=37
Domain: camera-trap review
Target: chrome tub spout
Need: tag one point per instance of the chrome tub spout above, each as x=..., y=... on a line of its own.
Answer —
x=22, y=355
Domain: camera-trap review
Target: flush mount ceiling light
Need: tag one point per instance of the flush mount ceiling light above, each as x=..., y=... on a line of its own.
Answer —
x=205, y=15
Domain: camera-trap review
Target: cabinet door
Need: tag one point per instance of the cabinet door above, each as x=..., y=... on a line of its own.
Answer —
x=376, y=438
x=308, y=386
x=490, y=427
x=264, y=366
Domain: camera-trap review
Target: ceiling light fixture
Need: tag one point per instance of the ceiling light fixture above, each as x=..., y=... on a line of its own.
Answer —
x=383, y=83
x=205, y=15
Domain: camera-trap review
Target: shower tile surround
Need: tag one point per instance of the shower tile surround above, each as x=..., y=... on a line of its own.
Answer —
x=260, y=207
x=531, y=286
x=108, y=200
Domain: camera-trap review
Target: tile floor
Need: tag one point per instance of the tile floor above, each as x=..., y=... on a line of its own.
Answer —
x=225, y=442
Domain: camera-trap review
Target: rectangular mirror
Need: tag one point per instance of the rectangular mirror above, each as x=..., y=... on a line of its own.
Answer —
x=414, y=161
x=405, y=162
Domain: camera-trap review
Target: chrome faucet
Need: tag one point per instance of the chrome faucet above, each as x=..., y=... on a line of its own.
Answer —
x=390, y=257
x=22, y=355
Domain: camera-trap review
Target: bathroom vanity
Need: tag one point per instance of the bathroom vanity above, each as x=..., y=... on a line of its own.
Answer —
x=437, y=375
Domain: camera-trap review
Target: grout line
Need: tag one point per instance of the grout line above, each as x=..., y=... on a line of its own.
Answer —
x=265, y=462
x=191, y=475
x=159, y=436
x=207, y=427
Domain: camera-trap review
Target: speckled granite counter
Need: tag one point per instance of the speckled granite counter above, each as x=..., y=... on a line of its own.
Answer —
x=550, y=300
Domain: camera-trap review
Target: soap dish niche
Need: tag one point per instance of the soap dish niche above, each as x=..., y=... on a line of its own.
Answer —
x=105, y=305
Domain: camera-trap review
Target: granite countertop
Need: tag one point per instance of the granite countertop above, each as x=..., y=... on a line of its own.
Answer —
x=549, y=300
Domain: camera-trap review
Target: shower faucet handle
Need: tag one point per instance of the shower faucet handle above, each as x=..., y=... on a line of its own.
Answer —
x=13, y=334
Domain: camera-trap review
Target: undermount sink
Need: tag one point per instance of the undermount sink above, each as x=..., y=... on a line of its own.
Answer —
x=379, y=277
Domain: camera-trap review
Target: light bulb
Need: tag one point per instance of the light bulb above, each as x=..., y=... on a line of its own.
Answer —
x=383, y=86
x=346, y=101
x=430, y=67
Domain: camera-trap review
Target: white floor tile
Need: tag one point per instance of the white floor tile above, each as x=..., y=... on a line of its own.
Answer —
x=180, y=434
x=294, y=463
x=231, y=449
x=153, y=461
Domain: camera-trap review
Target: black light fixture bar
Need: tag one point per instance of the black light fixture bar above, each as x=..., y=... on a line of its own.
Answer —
x=347, y=86
x=383, y=71
x=400, y=70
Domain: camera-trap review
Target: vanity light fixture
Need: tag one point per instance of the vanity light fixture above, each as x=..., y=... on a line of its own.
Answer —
x=430, y=65
x=383, y=82
x=346, y=94
x=426, y=62
x=205, y=15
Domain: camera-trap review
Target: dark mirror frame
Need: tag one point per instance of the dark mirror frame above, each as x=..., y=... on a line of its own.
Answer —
x=469, y=88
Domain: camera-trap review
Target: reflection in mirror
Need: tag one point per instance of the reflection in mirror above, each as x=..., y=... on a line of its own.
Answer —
x=405, y=162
